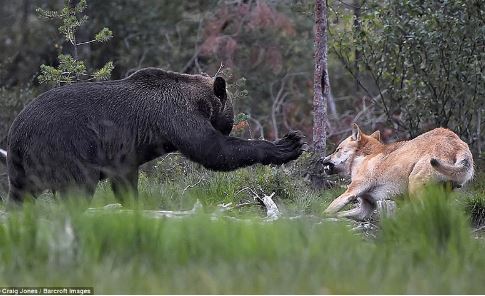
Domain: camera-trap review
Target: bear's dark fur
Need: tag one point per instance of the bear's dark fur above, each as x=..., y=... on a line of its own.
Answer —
x=73, y=136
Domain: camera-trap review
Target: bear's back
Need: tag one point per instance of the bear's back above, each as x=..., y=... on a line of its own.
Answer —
x=77, y=106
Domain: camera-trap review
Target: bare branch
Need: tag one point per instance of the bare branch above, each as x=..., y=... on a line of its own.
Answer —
x=220, y=68
x=192, y=185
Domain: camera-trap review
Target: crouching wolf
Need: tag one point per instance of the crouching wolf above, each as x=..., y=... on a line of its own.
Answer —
x=381, y=171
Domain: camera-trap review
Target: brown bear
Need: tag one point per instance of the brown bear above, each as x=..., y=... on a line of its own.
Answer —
x=71, y=137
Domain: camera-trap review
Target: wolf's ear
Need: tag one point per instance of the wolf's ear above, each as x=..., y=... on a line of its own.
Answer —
x=356, y=133
x=376, y=135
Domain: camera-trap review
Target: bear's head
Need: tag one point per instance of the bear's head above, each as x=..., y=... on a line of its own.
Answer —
x=224, y=119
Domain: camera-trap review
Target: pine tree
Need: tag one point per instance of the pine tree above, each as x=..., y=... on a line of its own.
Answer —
x=71, y=68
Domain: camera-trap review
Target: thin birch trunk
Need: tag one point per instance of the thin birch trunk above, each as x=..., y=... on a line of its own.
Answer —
x=321, y=83
x=321, y=91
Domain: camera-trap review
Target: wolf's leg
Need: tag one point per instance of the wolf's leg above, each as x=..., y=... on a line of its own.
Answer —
x=415, y=186
x=421, y=175
x=360, y=213
x=354, y=190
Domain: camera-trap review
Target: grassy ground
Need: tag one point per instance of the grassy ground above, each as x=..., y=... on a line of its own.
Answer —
x=427, y=247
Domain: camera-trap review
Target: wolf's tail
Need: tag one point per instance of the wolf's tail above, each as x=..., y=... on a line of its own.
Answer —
x=460, y=172
x=3, y=156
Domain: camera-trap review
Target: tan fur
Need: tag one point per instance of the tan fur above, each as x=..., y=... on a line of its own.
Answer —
x=381, y=171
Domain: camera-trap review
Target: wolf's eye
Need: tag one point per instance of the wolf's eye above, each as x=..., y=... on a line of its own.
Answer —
x=338, y=149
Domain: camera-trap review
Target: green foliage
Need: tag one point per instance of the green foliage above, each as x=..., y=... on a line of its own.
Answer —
x=70, y=68
x=238, y=93
x=70, y=17
x=236, y=88
x=105, y=72
x=474, y=202
x=425, y=249
x=104, y=35
x=433, y=226
x=60, y=243
x=67, y=71
x=475, y=205
x=181, y=182
x=424, y=60
x=241, y=117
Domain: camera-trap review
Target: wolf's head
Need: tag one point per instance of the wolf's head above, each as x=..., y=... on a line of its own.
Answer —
x=349, y=150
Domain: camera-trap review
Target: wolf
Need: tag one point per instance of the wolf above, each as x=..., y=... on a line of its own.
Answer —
x=381, y=171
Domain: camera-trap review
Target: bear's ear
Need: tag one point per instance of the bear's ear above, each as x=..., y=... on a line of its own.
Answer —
x=220, y=88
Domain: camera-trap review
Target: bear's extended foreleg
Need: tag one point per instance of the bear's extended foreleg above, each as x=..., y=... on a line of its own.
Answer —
x=209, y=147
x=229, y=153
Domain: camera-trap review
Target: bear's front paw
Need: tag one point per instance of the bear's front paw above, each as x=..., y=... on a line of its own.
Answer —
x=290, y=147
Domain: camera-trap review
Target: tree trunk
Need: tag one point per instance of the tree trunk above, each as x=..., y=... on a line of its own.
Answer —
x=321, y=87
x=321, y=91
x=479, y=140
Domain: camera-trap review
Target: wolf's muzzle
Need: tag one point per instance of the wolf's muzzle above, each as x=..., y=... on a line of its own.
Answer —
x=328, y=166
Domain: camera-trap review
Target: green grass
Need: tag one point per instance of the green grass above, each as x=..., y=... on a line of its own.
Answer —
x=427, y=247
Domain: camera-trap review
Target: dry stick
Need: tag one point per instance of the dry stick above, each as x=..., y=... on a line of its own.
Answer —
x=479, y=229
x=245, y=188
x=272, y=211
x=192, y=185
x=151, y=213
x=229, y=206
x=220, y=68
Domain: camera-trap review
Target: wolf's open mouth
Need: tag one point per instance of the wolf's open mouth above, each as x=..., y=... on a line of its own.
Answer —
x=329, y=168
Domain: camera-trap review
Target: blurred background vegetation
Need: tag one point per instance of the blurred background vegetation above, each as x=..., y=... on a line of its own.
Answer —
x=402, y=67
